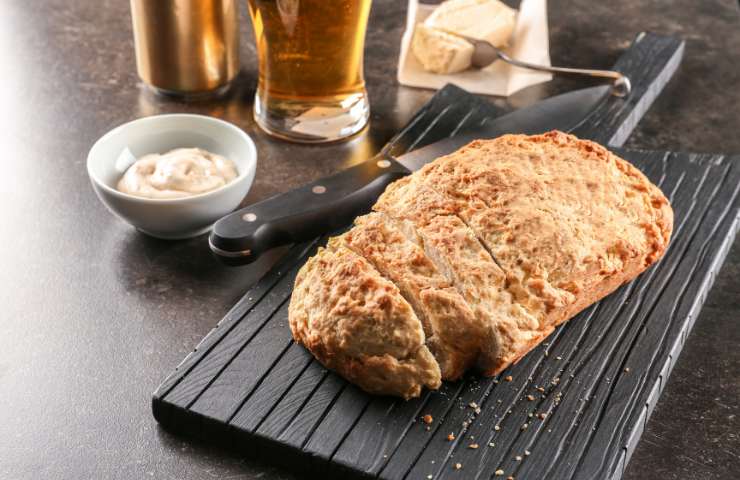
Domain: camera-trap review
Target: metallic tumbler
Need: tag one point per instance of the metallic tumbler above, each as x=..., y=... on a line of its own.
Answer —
x=186, y=47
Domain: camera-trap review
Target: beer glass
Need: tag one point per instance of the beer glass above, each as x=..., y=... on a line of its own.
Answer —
x=311, y=86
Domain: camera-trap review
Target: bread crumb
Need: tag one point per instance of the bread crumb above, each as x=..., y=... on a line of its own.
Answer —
x=450, y=437
x=518, y=458
x=491, y=444
x=542, y=416
x=427, y=419
x=627, y=370
x=429, y=476
x=524, y=427
x=530, y=398
x=473, y=446
x=499, y=472
x=473, y=405
x=509, y=478
x=508, y=378
x=458, y=466
x=527, y=453
x=497, y=428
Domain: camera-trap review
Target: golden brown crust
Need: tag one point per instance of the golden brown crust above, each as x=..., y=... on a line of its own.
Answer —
x=452, y=332
x=556, y=212
x=566, y=219
x=457, y=252
x=356, y=322
x=558, y=316
x=522, y=231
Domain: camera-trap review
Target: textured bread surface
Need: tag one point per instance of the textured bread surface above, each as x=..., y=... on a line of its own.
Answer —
x=453, y=333
x=357, y=323
x=488, y=250
x=454, y=247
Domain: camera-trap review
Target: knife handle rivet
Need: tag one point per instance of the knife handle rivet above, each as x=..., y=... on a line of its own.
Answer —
x=319, y=189
x=249, y=217
x=384, y=163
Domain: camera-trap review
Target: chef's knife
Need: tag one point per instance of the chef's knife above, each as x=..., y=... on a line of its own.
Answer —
x=333, y=202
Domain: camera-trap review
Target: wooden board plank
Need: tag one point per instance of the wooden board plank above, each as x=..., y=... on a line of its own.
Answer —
x=233, y=317
x=247, y=378
x=222, y=353
x=247, y=369
x=310, y=386
x=652, y=61
x=275, y=385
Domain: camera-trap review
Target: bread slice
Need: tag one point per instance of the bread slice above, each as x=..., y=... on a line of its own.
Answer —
x=528, y=230
x=453, y=247
x=453, y=333
x=356, y=322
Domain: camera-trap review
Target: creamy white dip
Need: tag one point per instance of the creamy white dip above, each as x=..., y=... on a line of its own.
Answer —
x=182, y=172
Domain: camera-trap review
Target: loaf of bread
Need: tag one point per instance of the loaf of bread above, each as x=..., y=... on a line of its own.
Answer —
x=474, y=259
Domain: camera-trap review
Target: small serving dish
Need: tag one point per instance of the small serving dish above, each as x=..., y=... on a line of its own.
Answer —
x=178, y=217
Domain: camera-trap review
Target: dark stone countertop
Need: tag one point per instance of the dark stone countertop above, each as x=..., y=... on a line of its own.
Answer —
x=95, y=315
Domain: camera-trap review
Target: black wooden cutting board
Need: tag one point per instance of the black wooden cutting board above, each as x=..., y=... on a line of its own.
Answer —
x=575, y=406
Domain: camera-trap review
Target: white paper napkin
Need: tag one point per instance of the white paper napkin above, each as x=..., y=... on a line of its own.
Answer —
x=530, y=43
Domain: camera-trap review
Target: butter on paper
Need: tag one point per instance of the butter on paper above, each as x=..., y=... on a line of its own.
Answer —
x=529, y=43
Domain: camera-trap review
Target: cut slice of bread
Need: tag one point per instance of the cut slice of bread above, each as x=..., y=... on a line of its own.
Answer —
x=453, y=333
x=356, y=322
x=457, y=252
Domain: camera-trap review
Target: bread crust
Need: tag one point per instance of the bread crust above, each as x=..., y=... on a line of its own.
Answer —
x=494, y=246
x=356, y=322
x=453, y=334
x=561, y=216
x=453, y=246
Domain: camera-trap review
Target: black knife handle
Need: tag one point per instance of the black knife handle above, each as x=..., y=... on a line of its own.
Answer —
x=304, y=213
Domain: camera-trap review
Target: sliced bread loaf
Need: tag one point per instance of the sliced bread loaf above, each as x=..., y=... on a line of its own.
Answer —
x=486, y=250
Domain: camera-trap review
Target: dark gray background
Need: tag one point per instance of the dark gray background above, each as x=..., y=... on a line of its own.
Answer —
x=95, y=315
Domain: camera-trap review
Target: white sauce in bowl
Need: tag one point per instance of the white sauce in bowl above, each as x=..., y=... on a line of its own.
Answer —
x=182, y=172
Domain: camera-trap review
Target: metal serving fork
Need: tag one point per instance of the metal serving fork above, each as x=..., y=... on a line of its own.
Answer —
x=485, y=54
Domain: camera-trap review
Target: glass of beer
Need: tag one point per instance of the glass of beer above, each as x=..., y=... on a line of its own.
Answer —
x=311, y=85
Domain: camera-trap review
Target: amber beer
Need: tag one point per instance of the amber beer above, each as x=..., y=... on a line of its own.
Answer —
x=311, y=85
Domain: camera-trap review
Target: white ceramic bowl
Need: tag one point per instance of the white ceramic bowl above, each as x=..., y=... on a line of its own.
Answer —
x=179, y=217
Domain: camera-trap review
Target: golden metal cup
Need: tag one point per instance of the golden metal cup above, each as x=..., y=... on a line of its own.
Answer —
x=186, y=47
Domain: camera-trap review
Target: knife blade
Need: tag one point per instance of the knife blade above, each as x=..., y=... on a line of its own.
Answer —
x=333, y=202
x=562, y=112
